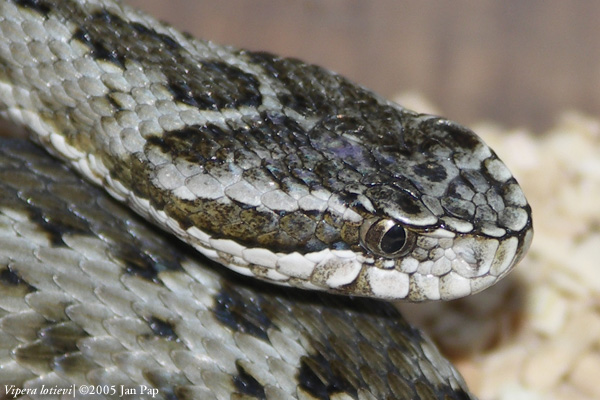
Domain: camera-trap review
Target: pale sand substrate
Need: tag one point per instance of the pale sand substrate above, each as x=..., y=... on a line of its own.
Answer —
x=536, y=335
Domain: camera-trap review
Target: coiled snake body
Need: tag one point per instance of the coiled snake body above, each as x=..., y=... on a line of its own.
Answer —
x=277, y=169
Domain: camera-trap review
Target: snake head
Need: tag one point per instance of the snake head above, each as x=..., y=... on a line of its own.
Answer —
x=442, y=217
x=278, y=169
x=395, y=206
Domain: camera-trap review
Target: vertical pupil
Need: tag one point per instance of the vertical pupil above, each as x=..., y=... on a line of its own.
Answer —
x=393, y=239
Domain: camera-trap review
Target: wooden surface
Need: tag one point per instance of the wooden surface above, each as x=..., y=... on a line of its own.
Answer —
x=513, y=62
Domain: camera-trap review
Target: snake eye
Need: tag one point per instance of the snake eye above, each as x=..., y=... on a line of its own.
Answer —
x=384, y=237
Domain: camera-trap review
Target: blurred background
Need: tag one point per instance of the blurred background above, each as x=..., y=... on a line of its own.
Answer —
x=512, y=62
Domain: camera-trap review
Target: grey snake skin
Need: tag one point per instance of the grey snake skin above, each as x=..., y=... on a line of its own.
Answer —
x=277, y=169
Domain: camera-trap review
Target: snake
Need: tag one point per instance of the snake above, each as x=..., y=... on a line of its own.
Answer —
x=322, y=199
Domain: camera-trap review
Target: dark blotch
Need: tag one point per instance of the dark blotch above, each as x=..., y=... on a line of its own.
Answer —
x=196, y=144
x=302, y=84
x=206, y=84
x=8, y=277
x=431, y=171
x=140, y=264
x=38, y=5
x=317, y=378
x=241, y=314
x=51, y=214
x=246, y=384
x=394, y=197
x=462, y=136
x=11, y=280
x=165, y=39
x=216, y=86
x=162, y=328
x=98, y=49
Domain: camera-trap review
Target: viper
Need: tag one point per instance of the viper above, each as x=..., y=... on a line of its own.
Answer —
x=274, y=168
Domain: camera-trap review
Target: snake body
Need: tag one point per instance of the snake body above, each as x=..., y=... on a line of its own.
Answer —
x=91, y=295
x=277, y=169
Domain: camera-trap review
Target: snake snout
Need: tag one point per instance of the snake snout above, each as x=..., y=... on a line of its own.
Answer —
x=484, y=260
